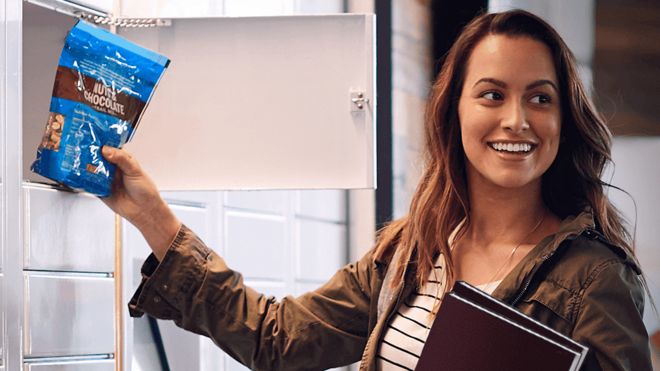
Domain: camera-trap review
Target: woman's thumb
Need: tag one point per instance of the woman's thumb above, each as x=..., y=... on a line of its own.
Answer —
x=122, y=159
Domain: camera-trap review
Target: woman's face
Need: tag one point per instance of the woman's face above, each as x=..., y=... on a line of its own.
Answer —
x=509, y=111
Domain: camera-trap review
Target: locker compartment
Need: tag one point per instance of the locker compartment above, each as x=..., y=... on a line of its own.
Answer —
x=247, y=103
x=44, y=31
x=68, y=315
x=67, y=231
x=96, y=365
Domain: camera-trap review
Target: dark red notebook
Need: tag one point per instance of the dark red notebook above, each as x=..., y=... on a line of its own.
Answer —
x=474, y=331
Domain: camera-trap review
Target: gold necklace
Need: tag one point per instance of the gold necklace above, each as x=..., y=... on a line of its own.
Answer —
x=513, y=251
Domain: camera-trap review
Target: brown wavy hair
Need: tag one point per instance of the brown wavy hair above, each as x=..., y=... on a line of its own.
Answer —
x=571, y=184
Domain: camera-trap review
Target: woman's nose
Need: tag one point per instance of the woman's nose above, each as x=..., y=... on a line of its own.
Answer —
x=514, y=119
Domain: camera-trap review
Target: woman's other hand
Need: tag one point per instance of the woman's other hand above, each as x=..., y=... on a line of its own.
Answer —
x=135, y=197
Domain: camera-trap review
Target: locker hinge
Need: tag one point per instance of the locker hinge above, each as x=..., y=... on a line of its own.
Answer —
x=126, y=22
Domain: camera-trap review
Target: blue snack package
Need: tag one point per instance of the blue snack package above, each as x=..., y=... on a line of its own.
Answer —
x=102, y=87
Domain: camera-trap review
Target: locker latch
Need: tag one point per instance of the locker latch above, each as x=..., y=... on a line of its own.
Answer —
x=358, y=101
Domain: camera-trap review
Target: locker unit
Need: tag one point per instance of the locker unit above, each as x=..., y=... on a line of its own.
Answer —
x=68, y=314
x=65, y=231
x=292, y=97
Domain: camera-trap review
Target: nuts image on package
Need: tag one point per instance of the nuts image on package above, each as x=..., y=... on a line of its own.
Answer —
x=53, y=133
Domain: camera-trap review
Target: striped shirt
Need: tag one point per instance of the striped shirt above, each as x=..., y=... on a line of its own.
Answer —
x=408, y=329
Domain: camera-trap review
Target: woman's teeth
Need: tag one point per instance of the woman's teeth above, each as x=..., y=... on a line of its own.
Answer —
x=511, y=147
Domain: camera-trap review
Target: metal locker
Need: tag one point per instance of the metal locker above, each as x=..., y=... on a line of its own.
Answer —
x=66, y=231
x=68, y=314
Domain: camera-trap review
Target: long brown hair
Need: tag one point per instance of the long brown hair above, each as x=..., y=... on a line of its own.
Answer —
x=571, y=184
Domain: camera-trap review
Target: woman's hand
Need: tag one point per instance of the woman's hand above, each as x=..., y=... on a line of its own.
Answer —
x=135, y=197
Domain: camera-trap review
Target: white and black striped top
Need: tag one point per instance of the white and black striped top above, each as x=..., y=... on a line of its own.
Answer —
x=409, y=327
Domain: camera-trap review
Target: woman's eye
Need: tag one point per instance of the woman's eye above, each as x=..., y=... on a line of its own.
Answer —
x=541, y=99
x=492, y=95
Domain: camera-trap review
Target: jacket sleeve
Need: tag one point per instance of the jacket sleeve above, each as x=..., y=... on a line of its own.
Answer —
x=609, y=320
x=194, y=287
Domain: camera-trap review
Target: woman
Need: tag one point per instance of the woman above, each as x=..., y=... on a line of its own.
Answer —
x=510, y=200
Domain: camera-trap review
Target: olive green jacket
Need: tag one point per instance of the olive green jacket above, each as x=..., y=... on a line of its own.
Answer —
x=573, y=281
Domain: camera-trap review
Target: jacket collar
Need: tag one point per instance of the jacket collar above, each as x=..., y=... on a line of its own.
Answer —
x=516, y=282
x=513, y=285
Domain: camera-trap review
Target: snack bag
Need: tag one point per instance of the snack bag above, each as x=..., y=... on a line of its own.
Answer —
x=102, y=86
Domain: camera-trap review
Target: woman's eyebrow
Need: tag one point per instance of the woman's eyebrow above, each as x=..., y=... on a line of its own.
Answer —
x=503, y=84
x=491, y=80
x=538, y=83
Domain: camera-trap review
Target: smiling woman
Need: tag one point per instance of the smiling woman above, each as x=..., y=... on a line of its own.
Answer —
x=510, y=200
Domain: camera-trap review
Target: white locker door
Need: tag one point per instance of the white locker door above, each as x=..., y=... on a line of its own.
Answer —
x=261, y=103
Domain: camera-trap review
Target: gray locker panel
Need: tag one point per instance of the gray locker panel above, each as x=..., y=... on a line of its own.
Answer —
x=68, y=315
x=99, y=365
x=68, y=231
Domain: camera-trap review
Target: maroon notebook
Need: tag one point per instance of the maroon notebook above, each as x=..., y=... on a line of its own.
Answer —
x=474, y=331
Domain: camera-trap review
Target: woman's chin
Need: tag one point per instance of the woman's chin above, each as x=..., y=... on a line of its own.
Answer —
x=511, y=181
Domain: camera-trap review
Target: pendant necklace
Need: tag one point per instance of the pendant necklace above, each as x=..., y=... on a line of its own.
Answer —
x=513, y=252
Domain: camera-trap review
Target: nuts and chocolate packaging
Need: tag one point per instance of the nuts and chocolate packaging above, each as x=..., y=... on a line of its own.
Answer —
x=102, y=86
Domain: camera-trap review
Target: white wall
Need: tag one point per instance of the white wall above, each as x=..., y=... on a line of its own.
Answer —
x=412, y=65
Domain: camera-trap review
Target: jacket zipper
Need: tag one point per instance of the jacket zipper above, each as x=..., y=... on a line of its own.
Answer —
x=529, y=280
x=544, y=258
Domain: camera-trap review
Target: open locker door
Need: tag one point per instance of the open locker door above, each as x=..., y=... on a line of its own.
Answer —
x=261, y=103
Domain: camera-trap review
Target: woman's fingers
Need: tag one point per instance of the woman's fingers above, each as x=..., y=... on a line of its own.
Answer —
x=128, y=165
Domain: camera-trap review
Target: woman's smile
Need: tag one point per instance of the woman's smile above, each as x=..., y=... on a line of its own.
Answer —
x=512, y=149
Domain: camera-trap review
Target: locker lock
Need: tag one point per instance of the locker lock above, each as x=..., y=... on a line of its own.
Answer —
x=358, y=101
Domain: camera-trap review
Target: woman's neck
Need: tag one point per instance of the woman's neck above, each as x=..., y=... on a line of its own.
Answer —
x=504, y=215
